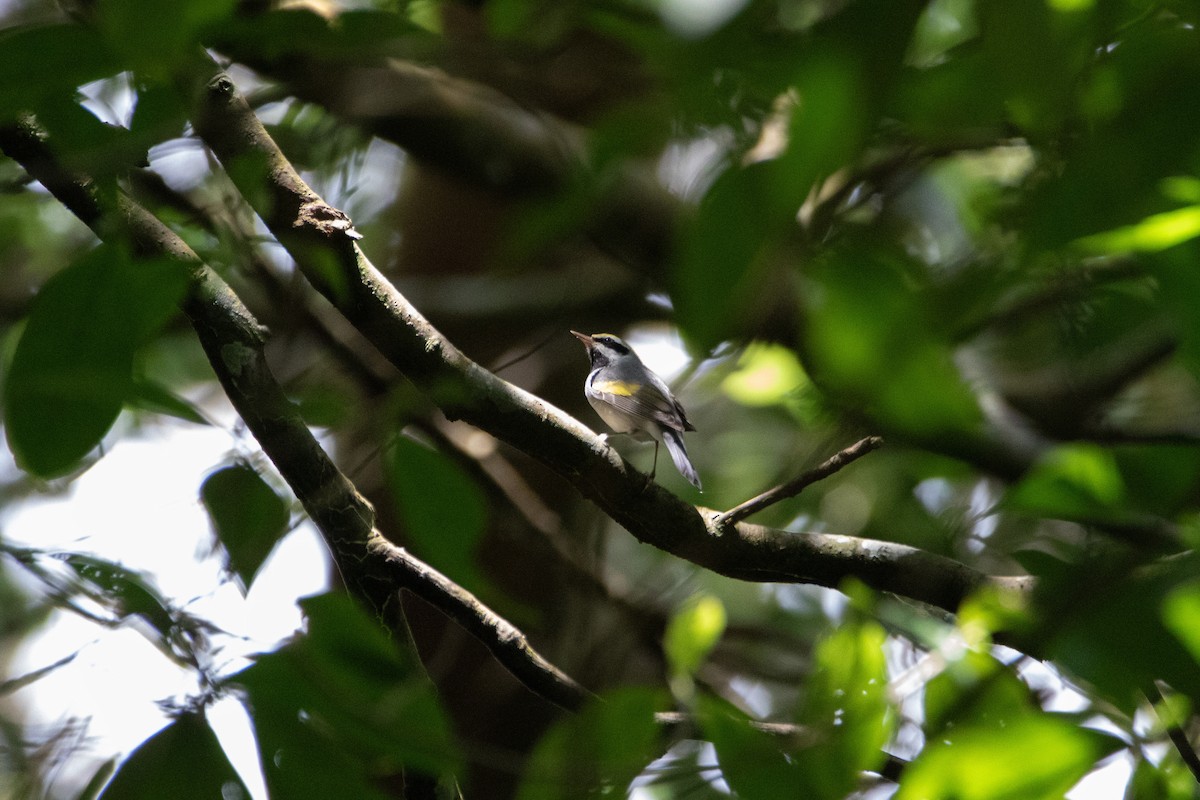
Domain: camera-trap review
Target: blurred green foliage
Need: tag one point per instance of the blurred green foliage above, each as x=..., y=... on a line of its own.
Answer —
x=969, y=226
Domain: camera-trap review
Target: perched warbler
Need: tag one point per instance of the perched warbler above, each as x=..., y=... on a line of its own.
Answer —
x=635, y=401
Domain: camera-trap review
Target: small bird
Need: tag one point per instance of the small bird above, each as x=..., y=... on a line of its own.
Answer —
x=633, y=400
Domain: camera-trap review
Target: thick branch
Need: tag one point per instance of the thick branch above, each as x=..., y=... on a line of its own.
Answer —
x=233, y=341
x=464, y=390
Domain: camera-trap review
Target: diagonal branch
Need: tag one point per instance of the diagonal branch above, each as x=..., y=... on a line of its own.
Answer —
x=481, y=136
x=799, y=483
x=233, y=341
x=464, y=390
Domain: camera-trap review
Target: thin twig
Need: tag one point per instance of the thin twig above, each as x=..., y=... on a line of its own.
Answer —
x=798, y=484
x=1177, y=735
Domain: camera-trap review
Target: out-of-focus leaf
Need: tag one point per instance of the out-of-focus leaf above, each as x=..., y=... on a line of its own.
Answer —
x=1035, y=757
x=767, y=375
x=599, y=751
x=10, y=685
x=72, y=369
x=943, y=25
x=1118, y=632
x=721, y=264
x=992, y=609
x=1071, y=482
x=692, y=634
x=828, y=122
x=83, y=142
x=160, y=114
x=184, y=760
x=443, y=510
x=1168, y=780
x=151, y=396
x=91, y=789
x=323, y=406
x=845, y=721
x=726, y=275
x=754, y=763
x=342, y=706
x=847, y=711
x=873, y=342
x=1181, y=613
x=1139, y=137
x=1175, y=271
x=153, y=42
x=128, y=592
x=1019, y=64
x=1039, y=562
x=1159, y=479
x=1156, y=232
x=978, y=689
x=248, y=518
x=45, y=60
x=301, y=31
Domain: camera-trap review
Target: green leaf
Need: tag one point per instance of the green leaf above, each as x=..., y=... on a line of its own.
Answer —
x=99, y=778
x=184, y=760
x=1139, y=136
x=1075, y=481
x=128, y=592
x=976, y=688
x=1167, y=780
x=341, y=707
x=859, y=299
x=1035, y=757
x=443, y=510
x=846, y=709
x=1159, y=479
x=598, y=751
x=72, y=369
x=767, y=374
x=1120, y=632
x=1155, y=232
x=150, y=395
x=845, y=721
x=45, y=60
x=299, y=30
x=756, y=764
x=160, y=114
x=154, y=42
x=1181, y=613
x=691, y=635
x=720, y=267
x=248, y=518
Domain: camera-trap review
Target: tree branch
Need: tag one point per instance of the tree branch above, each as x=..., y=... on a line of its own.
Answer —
x=793, y=487
x=480, y=135
x=464, y=390
x=233, y=341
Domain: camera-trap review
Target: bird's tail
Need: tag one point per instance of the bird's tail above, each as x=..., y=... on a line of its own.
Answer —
x=674, y=441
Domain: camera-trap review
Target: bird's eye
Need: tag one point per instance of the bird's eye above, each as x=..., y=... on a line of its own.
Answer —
x=614, y=343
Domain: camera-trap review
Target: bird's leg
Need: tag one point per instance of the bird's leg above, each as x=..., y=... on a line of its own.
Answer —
x=654, y=466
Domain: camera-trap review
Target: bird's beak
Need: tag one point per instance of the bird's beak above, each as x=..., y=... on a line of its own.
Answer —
x=583, y=337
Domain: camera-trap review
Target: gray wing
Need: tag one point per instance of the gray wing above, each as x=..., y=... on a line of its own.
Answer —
x=653, y=401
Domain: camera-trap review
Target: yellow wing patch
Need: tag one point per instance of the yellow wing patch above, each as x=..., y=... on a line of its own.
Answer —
x=620, y=388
